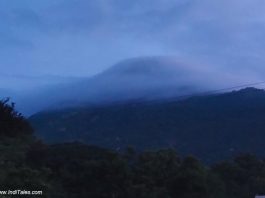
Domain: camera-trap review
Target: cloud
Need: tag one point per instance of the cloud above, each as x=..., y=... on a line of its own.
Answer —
x=82, y=38
x=44, y=38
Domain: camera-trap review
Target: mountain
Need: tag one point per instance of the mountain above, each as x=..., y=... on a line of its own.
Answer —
x=79, y=170
x=211, y=127
x=134, y=79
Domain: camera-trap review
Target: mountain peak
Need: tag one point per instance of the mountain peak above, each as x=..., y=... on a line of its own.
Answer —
x=148, y=66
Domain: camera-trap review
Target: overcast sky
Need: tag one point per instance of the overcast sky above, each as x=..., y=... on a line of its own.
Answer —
x=84, y=37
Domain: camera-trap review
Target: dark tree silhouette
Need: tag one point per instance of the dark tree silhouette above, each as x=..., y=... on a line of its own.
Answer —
x=12, y=123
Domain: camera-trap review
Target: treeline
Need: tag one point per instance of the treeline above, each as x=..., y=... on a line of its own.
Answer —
x=212, y=127
x=75, y=170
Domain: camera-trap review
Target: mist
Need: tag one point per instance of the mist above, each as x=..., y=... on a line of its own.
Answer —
x=48, y=45
x=137, y=79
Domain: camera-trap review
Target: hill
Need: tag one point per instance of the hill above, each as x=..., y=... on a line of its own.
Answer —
x=78, y=170
x=145, y=78
x=210, y=127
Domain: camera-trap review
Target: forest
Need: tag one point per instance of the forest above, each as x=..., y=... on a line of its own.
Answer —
x=211, y=127
x=80, y=170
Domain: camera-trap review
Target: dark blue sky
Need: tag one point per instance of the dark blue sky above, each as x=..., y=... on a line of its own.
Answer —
x=83, y=37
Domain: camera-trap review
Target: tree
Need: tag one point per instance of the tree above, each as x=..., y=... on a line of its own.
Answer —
x=12, y=123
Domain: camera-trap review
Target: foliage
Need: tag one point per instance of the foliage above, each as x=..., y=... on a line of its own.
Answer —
x=87, y=171
x=212, y=128
x=73, y=170
x=12, y=123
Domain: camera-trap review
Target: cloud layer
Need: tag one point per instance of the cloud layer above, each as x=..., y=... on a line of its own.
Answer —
x=82, y=38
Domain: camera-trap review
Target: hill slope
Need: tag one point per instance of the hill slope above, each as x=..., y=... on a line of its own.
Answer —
x=210, y=127
x=145, y=78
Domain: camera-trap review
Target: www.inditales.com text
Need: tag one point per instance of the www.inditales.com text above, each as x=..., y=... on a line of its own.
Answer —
x=20, y=192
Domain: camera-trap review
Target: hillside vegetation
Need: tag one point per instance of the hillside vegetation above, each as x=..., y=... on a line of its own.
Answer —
x=212, y=127
x=73, y=170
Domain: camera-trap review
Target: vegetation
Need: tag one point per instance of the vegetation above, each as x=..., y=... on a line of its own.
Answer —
x=212, y=128
x=73, y=170
x=12, y=123
x=79, y=170
x=16, y=140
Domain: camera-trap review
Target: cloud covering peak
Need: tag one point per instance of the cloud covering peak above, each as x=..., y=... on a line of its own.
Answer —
x=82, y=38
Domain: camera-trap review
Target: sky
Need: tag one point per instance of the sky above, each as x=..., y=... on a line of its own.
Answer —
x=79, y=38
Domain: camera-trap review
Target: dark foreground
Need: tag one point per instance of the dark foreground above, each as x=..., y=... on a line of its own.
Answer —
x=78, y=170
